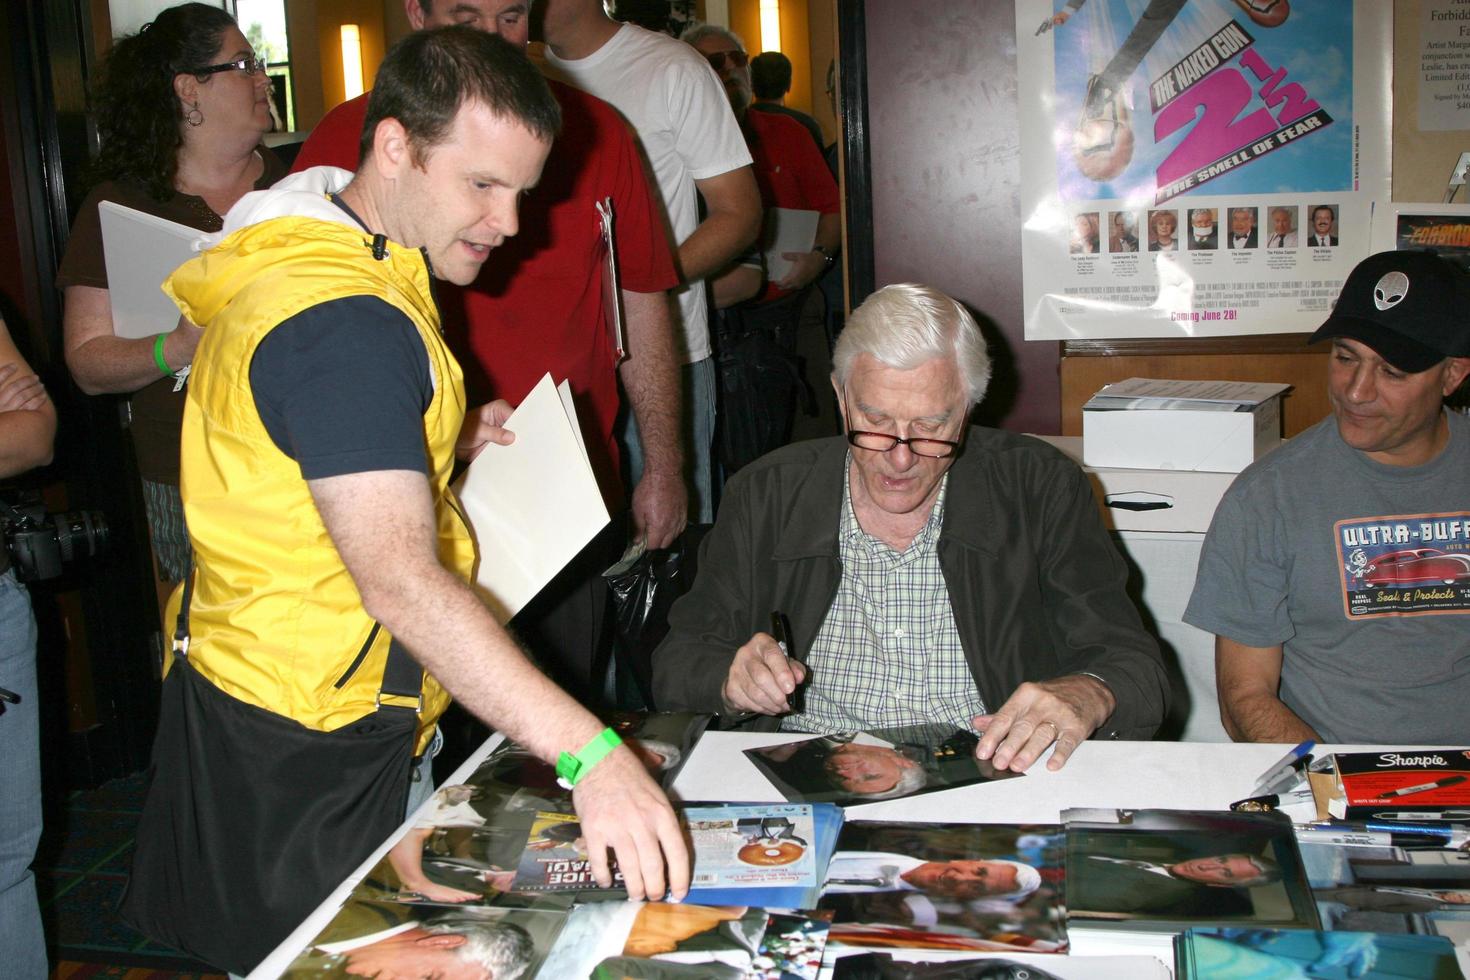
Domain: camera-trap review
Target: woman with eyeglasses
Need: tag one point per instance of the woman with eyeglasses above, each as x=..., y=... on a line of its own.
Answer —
x=181, y=107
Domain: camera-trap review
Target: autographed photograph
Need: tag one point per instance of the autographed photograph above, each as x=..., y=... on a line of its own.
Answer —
x=886, y=764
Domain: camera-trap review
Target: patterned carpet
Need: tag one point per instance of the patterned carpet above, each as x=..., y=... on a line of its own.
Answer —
x=81, y=870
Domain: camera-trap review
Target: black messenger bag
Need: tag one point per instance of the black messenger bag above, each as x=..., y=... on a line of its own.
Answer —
x=252, y=819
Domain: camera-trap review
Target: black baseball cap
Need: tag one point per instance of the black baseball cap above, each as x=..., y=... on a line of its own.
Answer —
x=1411, y=307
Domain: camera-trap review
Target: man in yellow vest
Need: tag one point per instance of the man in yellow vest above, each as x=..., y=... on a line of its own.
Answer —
x=328, y=618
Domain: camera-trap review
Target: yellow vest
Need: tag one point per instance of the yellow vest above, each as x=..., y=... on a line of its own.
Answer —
x=275, y=619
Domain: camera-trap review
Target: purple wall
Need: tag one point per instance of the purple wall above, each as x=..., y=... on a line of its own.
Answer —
x=946, y=177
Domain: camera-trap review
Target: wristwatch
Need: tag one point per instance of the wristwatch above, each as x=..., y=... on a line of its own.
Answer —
x=829, y=254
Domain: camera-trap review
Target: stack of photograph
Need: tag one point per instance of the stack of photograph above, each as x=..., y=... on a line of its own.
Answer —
x=494, y=871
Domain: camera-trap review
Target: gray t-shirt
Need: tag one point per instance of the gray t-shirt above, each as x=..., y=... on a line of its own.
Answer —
x=1361, y=571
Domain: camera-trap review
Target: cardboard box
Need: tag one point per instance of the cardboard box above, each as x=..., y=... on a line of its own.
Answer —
x=1214, y=426
x=1150, y=500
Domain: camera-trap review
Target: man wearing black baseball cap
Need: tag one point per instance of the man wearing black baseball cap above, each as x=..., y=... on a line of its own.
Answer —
x=1336, y=573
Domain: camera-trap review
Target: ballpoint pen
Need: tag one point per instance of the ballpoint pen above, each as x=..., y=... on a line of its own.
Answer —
x=9, y=696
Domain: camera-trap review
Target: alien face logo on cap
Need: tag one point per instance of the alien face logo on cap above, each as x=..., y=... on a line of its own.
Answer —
x=1391, y=290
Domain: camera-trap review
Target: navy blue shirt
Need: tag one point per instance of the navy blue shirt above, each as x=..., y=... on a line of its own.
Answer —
x=342, y=388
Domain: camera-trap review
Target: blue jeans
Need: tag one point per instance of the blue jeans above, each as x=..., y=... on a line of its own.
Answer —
x=698, y=431
x=22, y=944
x=421, y=785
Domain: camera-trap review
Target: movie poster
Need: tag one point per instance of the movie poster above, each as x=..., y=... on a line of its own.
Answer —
x=1197, y=167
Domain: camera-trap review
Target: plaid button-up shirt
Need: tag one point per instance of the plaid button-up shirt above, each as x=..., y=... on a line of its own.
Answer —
x=888, y=653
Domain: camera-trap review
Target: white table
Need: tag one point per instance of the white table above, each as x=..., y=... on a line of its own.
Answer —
x=1137, y=775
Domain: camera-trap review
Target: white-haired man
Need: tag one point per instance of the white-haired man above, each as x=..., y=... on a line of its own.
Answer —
x=932, y=572
x=964, y=880
x=472, y=944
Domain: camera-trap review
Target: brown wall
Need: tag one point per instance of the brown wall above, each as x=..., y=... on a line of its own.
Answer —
x=313, y=29
x=809, y=39
x=946, y=175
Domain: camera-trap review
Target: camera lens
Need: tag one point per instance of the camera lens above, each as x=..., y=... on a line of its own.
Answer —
x=81, y=533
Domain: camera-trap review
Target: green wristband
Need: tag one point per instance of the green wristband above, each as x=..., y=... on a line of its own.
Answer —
x=158, y=355
x=572, y=768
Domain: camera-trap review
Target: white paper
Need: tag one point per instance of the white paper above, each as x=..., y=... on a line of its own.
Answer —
x=531, y=505
x=141, y=251
x=1194, y=396
x=1443, y=61
x=787, y=230
x=612, y=290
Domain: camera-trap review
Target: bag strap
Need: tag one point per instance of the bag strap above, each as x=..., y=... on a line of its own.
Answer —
x=403, y=678
x=181, y=626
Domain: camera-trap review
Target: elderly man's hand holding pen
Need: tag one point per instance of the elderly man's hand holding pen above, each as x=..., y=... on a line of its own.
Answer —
x=766, y=673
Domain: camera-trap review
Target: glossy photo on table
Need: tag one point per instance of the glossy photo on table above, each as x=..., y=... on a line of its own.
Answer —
x=616, y=940
x=385, y=940
x=1157, y=869
x=879, y=764
x=947, y=886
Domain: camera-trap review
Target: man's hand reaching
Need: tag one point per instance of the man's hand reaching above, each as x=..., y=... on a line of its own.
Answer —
x=622, y=808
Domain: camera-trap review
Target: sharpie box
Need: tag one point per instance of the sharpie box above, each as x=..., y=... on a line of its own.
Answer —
x=1407, y=784
x=1215, y=426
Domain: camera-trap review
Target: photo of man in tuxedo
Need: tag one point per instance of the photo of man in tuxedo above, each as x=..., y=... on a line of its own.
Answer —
x=1243, y=228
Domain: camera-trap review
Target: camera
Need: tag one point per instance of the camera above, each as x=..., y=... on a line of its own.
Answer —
x=38, y=543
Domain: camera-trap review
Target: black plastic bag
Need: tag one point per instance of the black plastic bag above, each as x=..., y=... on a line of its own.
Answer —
x=642, y=593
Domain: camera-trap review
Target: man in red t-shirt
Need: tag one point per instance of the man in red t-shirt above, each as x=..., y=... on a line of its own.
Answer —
x=759, y=310
x=538, y=306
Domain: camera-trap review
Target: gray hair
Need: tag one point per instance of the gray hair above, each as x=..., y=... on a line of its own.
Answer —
x=1028, y=879
x=909, y=781
x=695, y=33
x=905, y=325
x=503, y=948
x=1269, y=870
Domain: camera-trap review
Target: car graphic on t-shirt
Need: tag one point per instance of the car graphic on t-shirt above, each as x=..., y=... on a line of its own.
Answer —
x=1418, y=566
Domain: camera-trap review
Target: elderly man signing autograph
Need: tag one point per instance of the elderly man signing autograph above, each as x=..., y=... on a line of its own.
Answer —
x=933, y=572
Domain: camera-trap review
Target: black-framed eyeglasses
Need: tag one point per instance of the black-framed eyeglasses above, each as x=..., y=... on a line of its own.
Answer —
x=250, y=66
x=883, y=442
x=737, y=58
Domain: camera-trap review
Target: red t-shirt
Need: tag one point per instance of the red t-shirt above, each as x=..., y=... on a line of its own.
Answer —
x=789, y=170
x=537, y=304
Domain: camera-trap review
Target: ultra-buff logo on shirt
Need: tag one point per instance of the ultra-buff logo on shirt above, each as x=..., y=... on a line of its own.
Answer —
x=1405, y=564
